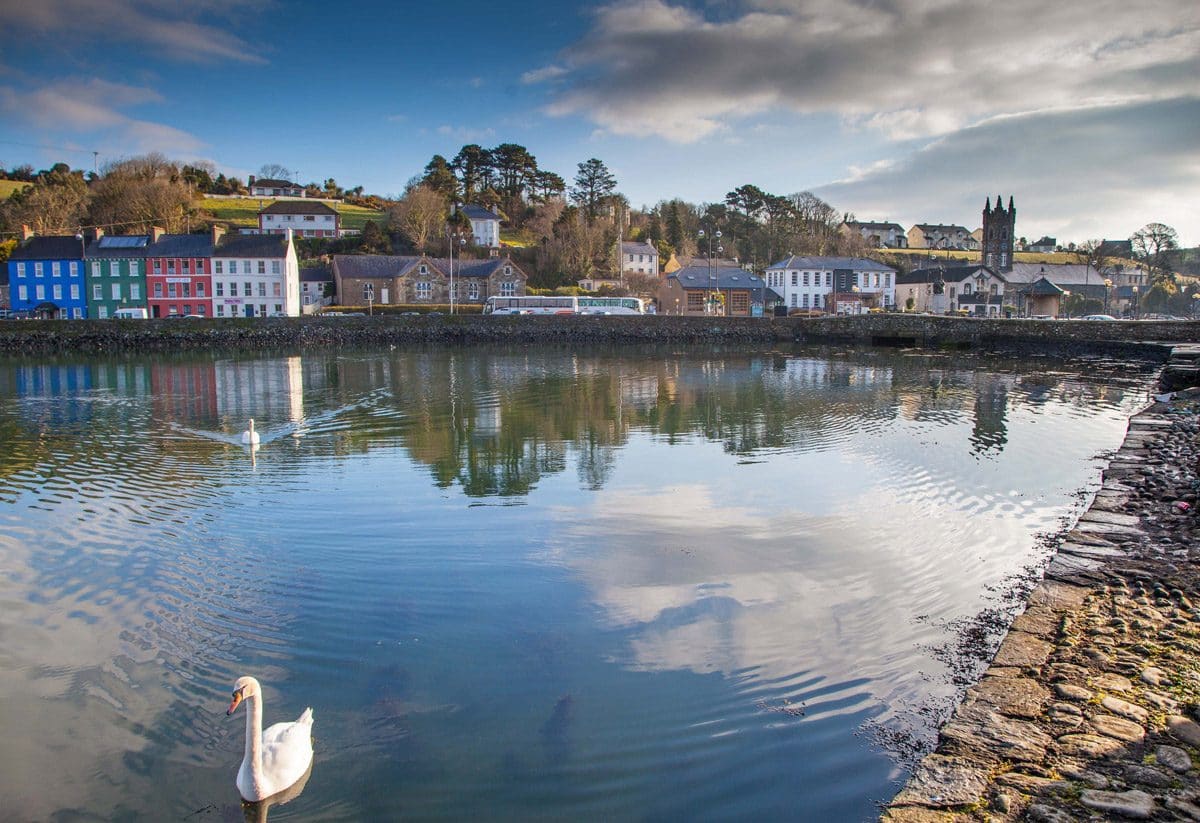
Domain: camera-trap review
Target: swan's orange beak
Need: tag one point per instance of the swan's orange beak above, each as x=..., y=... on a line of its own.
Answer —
x=237, y=699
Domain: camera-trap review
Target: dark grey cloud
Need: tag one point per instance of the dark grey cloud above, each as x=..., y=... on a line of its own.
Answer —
x=910, y=68
x=1095, y=172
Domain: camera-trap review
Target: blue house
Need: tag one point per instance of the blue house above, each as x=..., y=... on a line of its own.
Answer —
x=45, y=278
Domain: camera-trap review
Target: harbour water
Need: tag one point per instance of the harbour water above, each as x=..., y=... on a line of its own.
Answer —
x=527, y=584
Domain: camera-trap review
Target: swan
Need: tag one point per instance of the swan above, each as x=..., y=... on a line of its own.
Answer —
x=250, y=436
x=277, y=758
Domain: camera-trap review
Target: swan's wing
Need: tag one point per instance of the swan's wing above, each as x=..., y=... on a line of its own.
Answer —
x=287, y=749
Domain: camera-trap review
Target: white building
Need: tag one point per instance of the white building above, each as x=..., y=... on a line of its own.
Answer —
x=256, y=275
x=485, y=226
x=267, y=187
x=307, y=218
x=639, y=258
x=819, y=282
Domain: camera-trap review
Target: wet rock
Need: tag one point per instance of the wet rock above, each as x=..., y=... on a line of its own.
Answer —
x=1088, y=745
x=1173, y=757
x=1160, y=701
x=1133, y=804
x=1148, y=776
x=1112, y=682
x=1118, y=728
x=983, y=732
x=1046, y=814
x=1154, y=676
x=1012, y=696
x=1032, y=784
x=943, y=782
x=1183, y=729
x=1022, y=650
x=1070, y=692
x=1125, y=709
x=1184, y=807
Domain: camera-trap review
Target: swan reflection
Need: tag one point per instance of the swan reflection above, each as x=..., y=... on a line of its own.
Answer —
x=255, y=811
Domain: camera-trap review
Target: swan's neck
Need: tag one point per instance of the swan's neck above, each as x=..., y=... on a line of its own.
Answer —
x=253, y=755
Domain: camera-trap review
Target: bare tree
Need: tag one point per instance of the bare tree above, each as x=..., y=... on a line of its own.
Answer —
x=136, y=194
x=275, y=171
x=420, y=216
x=1155, y=244
x=55, y=204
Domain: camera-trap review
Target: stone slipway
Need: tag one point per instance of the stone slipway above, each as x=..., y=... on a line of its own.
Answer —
x=1089, y=709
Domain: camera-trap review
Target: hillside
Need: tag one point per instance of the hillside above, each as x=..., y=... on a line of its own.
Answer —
x=7, y=187
x=244, y=212
x=973, y=256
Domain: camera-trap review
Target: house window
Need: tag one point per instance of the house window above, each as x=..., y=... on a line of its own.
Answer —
x=37, y=269
x=95, y=269
x=424, y=290
x=473, y=291
x=200, y=289
x=887, y=280
x=201, y=310
x=114, y=269
x=187, y=308
x=172, y=290
x=262, y=289
x=233, y=290
x=508, y=288
x=740, y=304
x=966, y=288
x=158, y=267
x=806, y=278
x=102, y=312
x=262, y=266
x=245, y=267
x=270, y=218
x=804, y=302
x=262, y=309
x=74, y=291
x=310, y=218
x=279, y=308
x=220, y=287
x=220, y=310
x=20, y=270
x=57, y=292
x=695, y=300
x=186, y=268
x=55, y=269
x=246, y=290
x=133, y=268
x=77, y=313
x=135, y=291
x=218, y=266
x=368, y=292
x=187, y=291
x=170, y=267
x=274, y=267
x=508, y=270
x=97, y=291
x=794, y=296
x=158, y=290
x=275, y=290
x=39, y=292
x=829, y=279
x=795, y=279
x=22, y=292
x=423, y=269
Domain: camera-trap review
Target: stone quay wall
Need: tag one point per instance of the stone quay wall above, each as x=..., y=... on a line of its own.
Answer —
x=1089, y=708
x=1133, y=339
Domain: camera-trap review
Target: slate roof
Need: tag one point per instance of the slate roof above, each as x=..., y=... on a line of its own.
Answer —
x=638, y=247
x=825, y=263
x=1065, y=274
x=316, y=274
x=299, y=207
x=949, y=274
x=271, y=183
x=118, y=247
x=941, y=227
x=181, y=245
x=252, y=245
x=854, y=224
x=478, y=212
x=475, y=268
x=1042, y=288
x=723, y=277
x=1045, y=240
x=51, y=247
x=375, y=265
x=1117, y=248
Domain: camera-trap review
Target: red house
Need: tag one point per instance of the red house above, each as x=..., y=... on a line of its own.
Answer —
x=179, y=273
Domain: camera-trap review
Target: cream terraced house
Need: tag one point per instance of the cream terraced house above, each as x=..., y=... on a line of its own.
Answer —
x=256, y=275
x=307, y=218
x=818, y=282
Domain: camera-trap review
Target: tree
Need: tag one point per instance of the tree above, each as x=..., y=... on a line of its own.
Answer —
x=420, y=216
x=275, y=171
x=56, y=203
x=474, y=166
x=139, y=193
x=199, y=176
x=440, y=177
x=374, y=241
x=547, y=185
x=594, y=184
x=1156, y=244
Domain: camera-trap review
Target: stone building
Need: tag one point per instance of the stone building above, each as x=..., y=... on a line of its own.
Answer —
x=999, y=226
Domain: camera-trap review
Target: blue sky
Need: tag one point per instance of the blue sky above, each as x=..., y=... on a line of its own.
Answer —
x=1087, y=112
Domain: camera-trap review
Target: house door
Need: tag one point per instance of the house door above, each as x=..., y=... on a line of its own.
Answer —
x=249, y=310
x=383, y=295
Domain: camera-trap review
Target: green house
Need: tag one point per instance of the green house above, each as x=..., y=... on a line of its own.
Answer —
x=114, y=274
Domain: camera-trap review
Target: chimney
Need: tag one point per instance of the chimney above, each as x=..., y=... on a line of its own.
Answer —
x=251, y=180
x=26, y=233
x=217, y=233
x=156, y=233
x=97, y=233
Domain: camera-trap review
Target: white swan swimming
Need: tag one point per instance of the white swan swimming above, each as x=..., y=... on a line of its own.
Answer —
x=275, y=758
x=250, y=436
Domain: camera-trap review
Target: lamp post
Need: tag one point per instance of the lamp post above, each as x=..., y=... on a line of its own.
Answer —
x=1107, y=289
x=1135, y=309
x=1066, y=309
x=455, y=236
x=703, y=235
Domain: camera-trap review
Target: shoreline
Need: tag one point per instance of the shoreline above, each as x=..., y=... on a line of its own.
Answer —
x=1089, y=708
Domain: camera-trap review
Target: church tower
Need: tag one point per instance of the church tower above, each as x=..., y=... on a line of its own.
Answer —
x=999, y=225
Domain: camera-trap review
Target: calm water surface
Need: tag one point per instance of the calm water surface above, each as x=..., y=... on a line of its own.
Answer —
x=522, y=585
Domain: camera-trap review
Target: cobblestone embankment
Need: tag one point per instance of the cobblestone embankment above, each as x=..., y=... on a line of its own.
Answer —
x=1089, y=709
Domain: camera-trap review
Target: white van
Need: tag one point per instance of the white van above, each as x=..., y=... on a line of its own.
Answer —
x=131, y=314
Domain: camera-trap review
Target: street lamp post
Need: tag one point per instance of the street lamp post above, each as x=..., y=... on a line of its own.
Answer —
x=1107, y=289
x=1136, y=308
x=720, y=250
x=1066, y=308
x=460, y=237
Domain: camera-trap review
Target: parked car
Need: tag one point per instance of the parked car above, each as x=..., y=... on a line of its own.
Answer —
x=1098, y=317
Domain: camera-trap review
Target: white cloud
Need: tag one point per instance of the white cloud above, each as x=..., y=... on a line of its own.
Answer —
x=93, y=108
x=466, y=134
x=908, y=68
x=543, y=74
x=170, y=28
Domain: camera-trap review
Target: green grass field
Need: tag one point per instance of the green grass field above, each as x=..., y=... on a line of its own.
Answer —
x=244, y=212
x=7, y=187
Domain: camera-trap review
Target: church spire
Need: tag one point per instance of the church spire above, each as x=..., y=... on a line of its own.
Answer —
x=1011, y=207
